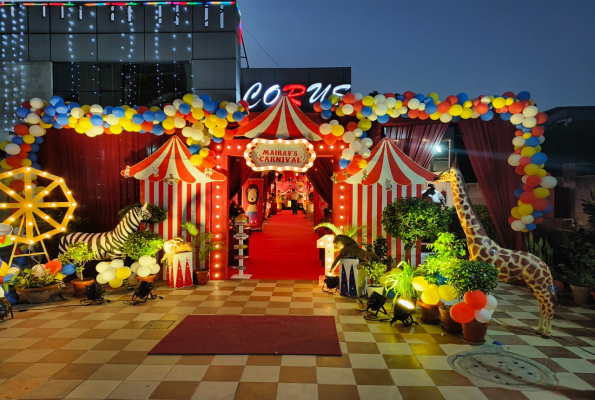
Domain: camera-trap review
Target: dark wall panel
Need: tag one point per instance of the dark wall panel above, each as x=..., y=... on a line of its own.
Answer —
x=81, y=47
x=121, y=47
x=121, y=24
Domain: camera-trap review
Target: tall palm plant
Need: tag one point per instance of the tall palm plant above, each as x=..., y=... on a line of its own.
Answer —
x=350, y=231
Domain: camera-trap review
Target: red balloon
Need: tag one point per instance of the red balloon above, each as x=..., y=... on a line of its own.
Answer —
x=528, y=188
x=541, y=118
x=511, y=219
x=413, y=113
x=316, y=107
x=141, y=109
x=518, y=133
x=330, y=139
x=444, y=107
x=408, y=95
x=26, y=104
x=559, y=285
x=540, y=204
x=208, y=162
x=25, y=147
x=462, y=313
x=353, y=168
x=21, y=129
x=527, y=197
x=357, y=158
x=482, y=108
x=533, y=180
x=476, y=299
x=244, y=121
x=14, y=161
x=146, y=126
x=515, y=108
x=538, y=221
x=357, y=105
x=520, y=170
x=349, y=98
x=352, y=126
x=423, y=115
x=537, y=131
x=17, y=186
x=525, y=161
x=53, y=266
x=229, y=134
x=244, y=104
x=387, y=95
x=509, y=94
x=452, y=100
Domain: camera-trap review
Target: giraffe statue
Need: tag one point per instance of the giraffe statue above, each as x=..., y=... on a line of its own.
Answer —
x=512, y=265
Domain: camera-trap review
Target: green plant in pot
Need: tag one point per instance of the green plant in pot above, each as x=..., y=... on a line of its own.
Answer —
x=36, y=286
x=78, y=254
x=374, y=271
x=380, y=248
x=143, y=243
x=581, y=255
x=398, y=283
x=203, y=245
x=467, y=276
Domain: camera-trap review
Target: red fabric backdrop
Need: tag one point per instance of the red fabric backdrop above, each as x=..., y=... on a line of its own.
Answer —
x=91, y=169
x=488, y=145
x=418, y=141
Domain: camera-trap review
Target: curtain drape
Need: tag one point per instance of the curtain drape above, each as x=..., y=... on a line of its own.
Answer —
x=320, y=175
x=418, y=141
x=488, y=145
x=91, y=169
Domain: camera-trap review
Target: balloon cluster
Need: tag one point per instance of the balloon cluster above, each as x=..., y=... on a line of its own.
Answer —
x=8, y=273
x=113, y=272
x=145, y=266
x=476, y=306
x=431, y=293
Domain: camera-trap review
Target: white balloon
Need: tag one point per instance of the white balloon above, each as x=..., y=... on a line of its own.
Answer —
x=422, y=107
x=145, y=260
x=36, y=103
x=514, y=160
x=379, y=99
x=373, y=117
x=96, y=130
x=390, y=102
x=96, y=109
x=102, y=267
x=134, y=267
x=38, y=270
x=517, y=119
x=196, y=135
x=144, y=271
x=100, y=279
x=492, y=303
x=524, y=178
x=109, y=275
x=78, y=113
x=355, y=146
x=358, y=132
x=33, y=118
x=36, y=130
x=413, y=104
x=334, y=122
x=365, y=153
x=446, y=117
x=548, y=182
x=348, y=137
x=486, y=100
x=358, y=96
x=231, y=107
x=177, y=103
x=530, y=111
x=12, y=149
x=518, y=141
x=187, y=131
x=325, y=129
x=347, y=154
x=381, y=109
x=527, y=219
x=484, y=316
x=117, y=264
x=367, y=143
x=169, y=110
x=395, y=113
x=197, y=103
x=517, y=225
x=348, y=109
x=529, y=122
x=154, y=268
x=541, y=139
x=1, y=292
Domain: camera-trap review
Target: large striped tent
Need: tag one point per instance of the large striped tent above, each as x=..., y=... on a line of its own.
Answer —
x=170, y=181
x=390, y=175
x=283, y=120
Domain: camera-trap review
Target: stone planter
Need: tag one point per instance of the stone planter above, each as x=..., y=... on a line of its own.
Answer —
x=581, y=294
x=39, y=295
x=449, y=325
x=430, y=313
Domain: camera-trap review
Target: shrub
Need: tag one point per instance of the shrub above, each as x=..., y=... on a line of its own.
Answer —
x=142, y=243
x=466, y=276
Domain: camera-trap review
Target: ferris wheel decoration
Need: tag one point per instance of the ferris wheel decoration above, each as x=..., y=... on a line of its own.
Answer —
x=31, y=203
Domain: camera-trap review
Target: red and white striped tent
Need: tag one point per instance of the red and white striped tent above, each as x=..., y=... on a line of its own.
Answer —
x=283, y=120
x=389, y=175
x=170, y=181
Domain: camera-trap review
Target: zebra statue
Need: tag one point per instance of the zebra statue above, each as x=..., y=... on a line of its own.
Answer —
x=108, y=245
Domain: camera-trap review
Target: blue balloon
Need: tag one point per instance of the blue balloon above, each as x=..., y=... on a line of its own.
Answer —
x=106, y=125
x=35, y=166
x=107, y=110
x=76, y=105
x=326, y=104
x=194, y=149
x=8, y=277
x=456, y=118
x=518, y=192
x=55, y=100
x=497, y=343
x=519, y=126
x=532, y=141
x=431, y=108
x=366, y=111
x=237, y=116
x=119, y=112
x=12, y=297
x=548, y=209
x=363, y=135
x=537, y=214
x=18, y=140
x=487, y=116
x=400, y=97
x=158, y=130
x=525, y=130
x=68, y=269
x=383, y=119
x=420, y=97
x=204, y=97
x=184, y=108
x=136, y=118
x=22, y=112
x=538, y=158
x=505, y=116
x=406, y=115
x=61, y=108
x=524, y=95
x=21, y=261
x=209, y=105
x=56, y=125
x=50, y=110
x=217, y=139
x=160, y=116
x=62, y=119
x=32, y=157
x=221, y=113
x=531, y=227
x=463, y=97
x=47, y=119
x=149, y=116
x=343, y=163
x=34, y=148
x=39, y=140
x=326, y=114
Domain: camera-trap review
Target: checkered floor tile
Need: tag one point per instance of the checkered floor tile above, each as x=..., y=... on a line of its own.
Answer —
x=100, y=352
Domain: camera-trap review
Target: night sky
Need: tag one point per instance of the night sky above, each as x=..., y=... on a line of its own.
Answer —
x=478, y=47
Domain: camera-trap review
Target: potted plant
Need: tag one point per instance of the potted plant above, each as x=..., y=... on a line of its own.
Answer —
x=374, y=271
x=158, y=214
x=143, y=243
x=203, y=245
x=78, y=254
x=581, y=254
x=398, y=283
x=380, y=248
x=36, y=287
x=467, y=276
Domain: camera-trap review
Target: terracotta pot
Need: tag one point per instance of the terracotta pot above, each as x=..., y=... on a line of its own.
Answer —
x=430, y=313
x=80, y=286
x=475, y=332
x=39, y=295
x=150, y=278
x=449, y=325
x=202, y=276
x=581, y=295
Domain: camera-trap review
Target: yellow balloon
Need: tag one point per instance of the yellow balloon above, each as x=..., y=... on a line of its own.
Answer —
x=188, y=98
x=5, y=165
x=516, y=213
x=25, y=162
x=468, y=104
x=337, y=130
x=130, y=112
x=526, y=209
x=218, y=132
x=196, y=159
x=339, y=112
x=115, y=129
x=466, y=113
x=419, y=283
x=116, y=283
x=447, y=292
x=198, y=113
x=456, y=110
x=541, y=193
x=436, y=116
x=365, y=124
x=204, y=152
x=123, y=273
x=398, y=105
x=499, y=102
x=531, y=169
x=168, y=124
x=368, y=101
x=3, y=269
x=528, y=151
x=541, y=173
x=527, y=135
x=430, y=296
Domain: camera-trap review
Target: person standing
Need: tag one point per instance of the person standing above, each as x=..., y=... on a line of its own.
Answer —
x=294, y=201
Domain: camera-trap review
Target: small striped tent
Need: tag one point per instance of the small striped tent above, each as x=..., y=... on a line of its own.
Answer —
x=389, y=175
x=170, y=181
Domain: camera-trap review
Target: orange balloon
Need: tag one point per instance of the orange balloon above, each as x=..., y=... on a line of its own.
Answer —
x=317, y=107
x=452, y=100
x=25, y=147
x=229, y=135
x=21, y=129
x=515, y=108
x=353, y=168
x=541, y=118
x=244, y=121
x=482, y=108
x=413, y=113
x=170, y=131
x=476, y=299
x=444, y=107
x=536, y=131
x=208, y=162
x=462, y=313
x=330, y=139
x=146, y=126
x=357, y=106
x=349, y=98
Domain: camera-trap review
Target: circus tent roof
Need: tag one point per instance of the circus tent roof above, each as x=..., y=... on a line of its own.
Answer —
x=171, y=162
x=282, y=120
x=388, y=163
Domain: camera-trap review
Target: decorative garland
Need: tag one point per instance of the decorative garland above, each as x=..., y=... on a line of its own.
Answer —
x=519, y=109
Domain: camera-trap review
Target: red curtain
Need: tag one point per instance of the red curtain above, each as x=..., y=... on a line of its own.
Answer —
x=320, y=175
x=488, y=145
x=91, y=169
x=418, y=141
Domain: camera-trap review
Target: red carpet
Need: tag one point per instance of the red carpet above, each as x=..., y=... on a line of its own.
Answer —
x=237, y=334
x=285, y=249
